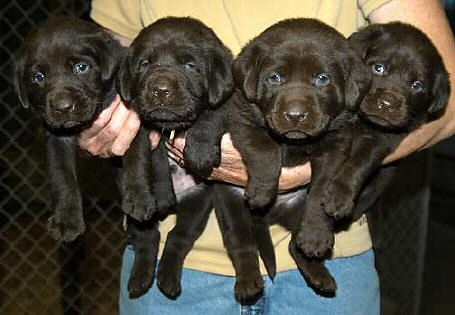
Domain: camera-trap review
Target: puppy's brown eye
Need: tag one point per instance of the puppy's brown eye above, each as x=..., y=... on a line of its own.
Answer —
x=378, y=69
x=143, y=64
x=274, y=78
x=38, y=78
x=417, y=86
x=321, y=79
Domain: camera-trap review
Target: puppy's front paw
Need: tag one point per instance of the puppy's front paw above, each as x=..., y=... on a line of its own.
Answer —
x=66, y=227
x=141, y=280
x=338, y=201
x=319, y=277
x=166, y=200
x=315, y=241
x=314, y=271
x=249, y=288
x=259, y=196
x=202, y=157
x=168, y=278
x=139, y=203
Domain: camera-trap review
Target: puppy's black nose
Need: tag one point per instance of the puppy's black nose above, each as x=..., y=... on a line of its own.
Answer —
x=63, y=105
x=388, y=101
x=161, y=88
x=295, y=116
x=60, y=101
x=294, y=111
x=384, y=102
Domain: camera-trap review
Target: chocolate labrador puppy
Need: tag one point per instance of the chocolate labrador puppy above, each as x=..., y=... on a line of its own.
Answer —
x=299, y=85
x=410, y=87
x=175, y=74
x=304, y=81
x=66, y=71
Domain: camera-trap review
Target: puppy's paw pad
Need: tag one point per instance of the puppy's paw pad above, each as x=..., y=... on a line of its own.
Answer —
x=314, y=241
x=66, y=230
x=258, y=196
x=139, y=203
x=249, y=289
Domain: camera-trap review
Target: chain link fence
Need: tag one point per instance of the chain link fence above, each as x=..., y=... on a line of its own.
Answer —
x=41, y=276
x=399, y=230
x=37, y=274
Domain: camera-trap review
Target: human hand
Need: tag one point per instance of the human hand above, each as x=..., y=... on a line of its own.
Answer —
x=233, y=170
x=112, y=132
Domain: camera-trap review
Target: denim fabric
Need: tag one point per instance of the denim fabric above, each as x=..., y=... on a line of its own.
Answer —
x=205, y=293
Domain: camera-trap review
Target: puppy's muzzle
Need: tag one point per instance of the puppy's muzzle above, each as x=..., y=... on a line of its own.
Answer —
x=383, y=101
x=385, y=107
x=294, y=113
x=61, y=103
x=296, y=119
x=67, y=108
x=161, y=89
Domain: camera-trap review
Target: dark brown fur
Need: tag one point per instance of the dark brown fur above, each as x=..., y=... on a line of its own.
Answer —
x=300, y=118
x=65, y=71
x=284, y=114
x=175, y=74
x=411, y=89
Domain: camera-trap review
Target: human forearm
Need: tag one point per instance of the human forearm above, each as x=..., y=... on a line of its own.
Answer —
x=422, y=138
x=233, y=170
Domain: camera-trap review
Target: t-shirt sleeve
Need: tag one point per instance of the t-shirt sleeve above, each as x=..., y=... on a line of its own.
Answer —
x=368, y=6
x=120, y=16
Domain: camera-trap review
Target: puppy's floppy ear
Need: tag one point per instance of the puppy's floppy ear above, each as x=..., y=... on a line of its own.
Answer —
x=125, y=77
x=359, y=79
x=109, y=52
x=357, y=83
x=220, y=80
x=441, y=93
x=246, y=69
x=19, y=79
x=366, y=38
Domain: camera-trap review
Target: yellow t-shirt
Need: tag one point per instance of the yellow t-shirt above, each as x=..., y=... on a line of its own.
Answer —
x=236, y=22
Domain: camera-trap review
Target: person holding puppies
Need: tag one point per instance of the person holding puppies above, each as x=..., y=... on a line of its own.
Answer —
x=236, y=22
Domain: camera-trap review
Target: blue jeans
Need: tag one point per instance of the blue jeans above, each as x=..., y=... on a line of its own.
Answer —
x=206, y=293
